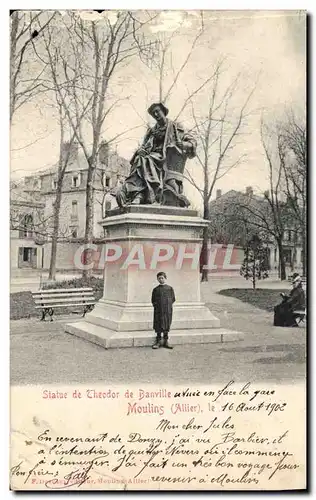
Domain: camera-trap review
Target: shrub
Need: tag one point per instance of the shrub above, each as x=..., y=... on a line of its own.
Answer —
x=22, y=305
x=95, y=283
x=255, y=264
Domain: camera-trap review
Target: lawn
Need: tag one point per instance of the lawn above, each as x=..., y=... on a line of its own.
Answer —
x=22, y=304
x=262, y=298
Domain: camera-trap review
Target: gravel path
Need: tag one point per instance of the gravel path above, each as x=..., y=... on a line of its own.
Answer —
x=45, y=354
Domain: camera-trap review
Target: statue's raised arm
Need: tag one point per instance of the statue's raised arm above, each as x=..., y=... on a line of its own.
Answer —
x=156, y=174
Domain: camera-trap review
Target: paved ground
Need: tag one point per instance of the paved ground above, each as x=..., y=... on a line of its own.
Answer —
x=44, y=354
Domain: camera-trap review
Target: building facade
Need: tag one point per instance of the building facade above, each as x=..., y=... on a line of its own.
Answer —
x=27, y=237
x=228, y=227
x=110, y=170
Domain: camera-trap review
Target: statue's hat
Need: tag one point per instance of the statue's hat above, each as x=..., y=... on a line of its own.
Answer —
x=155, y=105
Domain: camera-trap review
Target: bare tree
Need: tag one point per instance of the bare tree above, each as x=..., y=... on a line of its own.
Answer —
x=93, y=53
x=293, y=140
x=159, y=59
x=52, y=57
x=218, y=133
x=273, y=196
x=269, y=215
x=27, y=28
x=283, y=206
x=226, y=226
x=61, y=169
x=113, y=168
x=27, y=213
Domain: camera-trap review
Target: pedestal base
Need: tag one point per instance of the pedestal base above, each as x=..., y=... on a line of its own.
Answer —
x=109, y=339
x=139, y=317
x=140, y=241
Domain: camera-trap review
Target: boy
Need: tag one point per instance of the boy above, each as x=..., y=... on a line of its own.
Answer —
x=162, y=299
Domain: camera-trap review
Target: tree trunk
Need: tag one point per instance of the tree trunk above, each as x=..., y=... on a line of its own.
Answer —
x=254, y=273
x=293, y=258
x=304, y=253
x=281, y=260
x=204, y=255
x=53, y=255
x=89, y=220
x=14, y=30
x=204, y=251
x=62, y=165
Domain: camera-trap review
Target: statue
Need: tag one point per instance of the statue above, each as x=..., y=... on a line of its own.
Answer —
x=156, y=174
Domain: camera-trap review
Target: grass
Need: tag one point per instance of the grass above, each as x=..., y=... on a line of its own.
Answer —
x=22, y=304
x=262, y=298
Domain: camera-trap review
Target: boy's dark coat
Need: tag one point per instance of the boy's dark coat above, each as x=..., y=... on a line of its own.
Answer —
x=162, y=299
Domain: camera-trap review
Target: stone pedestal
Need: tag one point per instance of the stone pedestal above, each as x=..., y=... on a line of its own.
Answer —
x=141, y=241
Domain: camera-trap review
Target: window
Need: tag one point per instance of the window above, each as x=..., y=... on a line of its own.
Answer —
x=106, y=180
x=27, y=254
x=287, y=256
x=290, y=236
x=27, y=227
x=54, y=184
x=74, y=233
x=38, y=183
x=74, y=209
x=27, y=257
x=107, y=206
x=76, y=181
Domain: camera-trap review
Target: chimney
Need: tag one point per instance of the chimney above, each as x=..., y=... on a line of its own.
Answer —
x=266, y=194
x=249, y=191
x=104, y=153
x=218, y=193
x=72, y=150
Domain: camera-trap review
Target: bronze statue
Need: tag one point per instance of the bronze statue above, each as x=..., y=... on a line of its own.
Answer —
x=157, y=167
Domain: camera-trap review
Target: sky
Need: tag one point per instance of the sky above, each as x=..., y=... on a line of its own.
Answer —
x=265, y=48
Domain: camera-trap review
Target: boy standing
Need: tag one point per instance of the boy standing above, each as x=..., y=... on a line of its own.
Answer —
x=162, y=299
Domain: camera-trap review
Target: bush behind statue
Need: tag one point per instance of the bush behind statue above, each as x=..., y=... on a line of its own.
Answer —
x=255, y=265
x=95, y=283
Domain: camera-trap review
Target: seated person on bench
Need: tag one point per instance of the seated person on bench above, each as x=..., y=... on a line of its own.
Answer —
x=284, y=313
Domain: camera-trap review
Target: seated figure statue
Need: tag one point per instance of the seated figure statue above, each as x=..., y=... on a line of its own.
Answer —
x=156, y=174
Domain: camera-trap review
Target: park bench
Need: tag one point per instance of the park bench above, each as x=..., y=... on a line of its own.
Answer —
x=49, y=300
